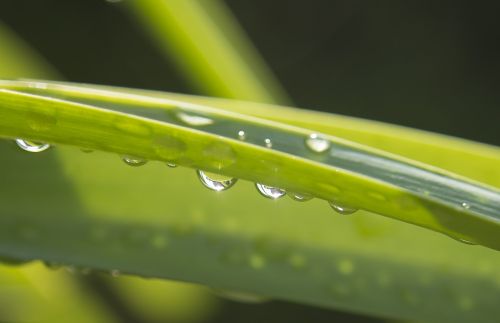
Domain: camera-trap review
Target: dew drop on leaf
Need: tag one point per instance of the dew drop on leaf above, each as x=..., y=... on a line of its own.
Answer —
x=269, y=191
x=317, y=144
x=32, y=146
x=268, y=143
x=134, y=161
x=194, y=120
x=342, y=209
x=215, y=182
x=299, y=197
x=242, y=135
x=171, y=165
x=466, y=205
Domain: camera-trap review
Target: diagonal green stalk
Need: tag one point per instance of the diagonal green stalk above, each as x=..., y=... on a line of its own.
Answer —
x=209, y=47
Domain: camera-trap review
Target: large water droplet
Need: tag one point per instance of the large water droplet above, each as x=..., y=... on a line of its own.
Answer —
x=134, y=161
x=32, y=146
x=242, y=135
x=268, y=143
x=342, y=209
x=194, y=120
x=299, y=197
x=269, y=191
x=215, y=182
x=317, y=144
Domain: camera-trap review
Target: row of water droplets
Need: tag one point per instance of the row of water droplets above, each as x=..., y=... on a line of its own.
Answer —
x=218, y=183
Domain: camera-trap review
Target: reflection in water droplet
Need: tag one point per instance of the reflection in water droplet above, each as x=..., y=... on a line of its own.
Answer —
x=242, y=135
x=342, y=209
x=194, y=120
x=215, y=182
x=466, y=205
x=32, y=146
x=134, y=161
x=269, y=191
x=171, y=165
x=317, y=144
x=299, y=197
x=268, y=143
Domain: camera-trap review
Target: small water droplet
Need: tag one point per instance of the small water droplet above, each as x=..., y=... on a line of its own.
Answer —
x=299, y=197
x=269, y=191
x=242, y=135
x=32, y=146
x=342, y=209
x=466, y=205
x=194, y=120
x=171, y=165
x=134, y=161
x=268, y=143
x=317, y=144
x=215, y=182
x=115, y=273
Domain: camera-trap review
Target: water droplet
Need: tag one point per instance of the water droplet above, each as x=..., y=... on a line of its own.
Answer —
x=299, y=197
x=171, y=165
x=215, y=182
x=242, y=135
x=194, y=120
x=268, y=143
x=269, y=191
x=317, y=144
x=466, y=205
x=342, y=209
x=241, y=297
x=32, y=146
x=115, y=273
x=134, y=161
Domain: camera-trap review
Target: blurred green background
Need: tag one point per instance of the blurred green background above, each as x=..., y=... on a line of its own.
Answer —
x=431, y=65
